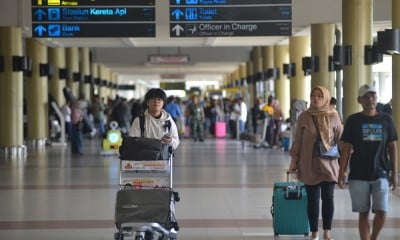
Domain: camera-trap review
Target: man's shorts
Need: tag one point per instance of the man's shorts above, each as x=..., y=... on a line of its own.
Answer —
x=362, y=192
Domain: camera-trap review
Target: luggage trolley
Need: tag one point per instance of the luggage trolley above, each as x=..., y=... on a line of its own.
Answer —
x=145, y=205
x=257, y=140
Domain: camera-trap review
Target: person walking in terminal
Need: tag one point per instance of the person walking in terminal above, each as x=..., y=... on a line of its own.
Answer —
x=277, y=123
x=195, y=113
x=319, y=174
x=269, y=112
x=77, y=127
x=97, y=109
x=173, y=108
x=242, y=115
x=257, y=114
x=369, y=143
x=158, y=123
x=66, y=111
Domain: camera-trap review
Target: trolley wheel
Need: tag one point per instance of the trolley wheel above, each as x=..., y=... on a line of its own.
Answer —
x=175, y=226
x=118, y=236
x=139, y=235
x=148, y=235
x=163, y=237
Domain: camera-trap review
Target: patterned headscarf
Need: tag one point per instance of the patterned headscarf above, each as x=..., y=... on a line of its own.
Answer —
x=321, y=115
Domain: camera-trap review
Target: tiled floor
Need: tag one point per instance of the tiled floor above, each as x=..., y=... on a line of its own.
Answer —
x=225, y=190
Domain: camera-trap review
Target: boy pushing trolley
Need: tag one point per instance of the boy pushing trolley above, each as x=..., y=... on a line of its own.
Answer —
x=145, y=205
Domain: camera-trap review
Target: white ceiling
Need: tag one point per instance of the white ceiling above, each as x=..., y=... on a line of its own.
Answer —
x=210, y=58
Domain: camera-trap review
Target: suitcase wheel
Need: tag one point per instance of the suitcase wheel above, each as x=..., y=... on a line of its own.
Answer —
x=146, y=235
x=139, y=236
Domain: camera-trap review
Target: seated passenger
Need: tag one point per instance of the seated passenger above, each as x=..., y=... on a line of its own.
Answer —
x=158, y=123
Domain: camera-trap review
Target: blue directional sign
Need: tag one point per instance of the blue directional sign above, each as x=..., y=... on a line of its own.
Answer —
x=228, y=2
x=234, y=13
x=68, y=30
x=89, y=18
x=114, y=14
x=205, y=18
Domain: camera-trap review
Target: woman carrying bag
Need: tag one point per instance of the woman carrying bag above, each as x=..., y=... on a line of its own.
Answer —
x=318, y=126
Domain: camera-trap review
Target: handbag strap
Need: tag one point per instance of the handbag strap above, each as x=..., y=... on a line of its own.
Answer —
x=316, y=127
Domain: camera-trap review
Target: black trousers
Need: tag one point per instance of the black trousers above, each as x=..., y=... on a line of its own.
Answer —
x=323, y=191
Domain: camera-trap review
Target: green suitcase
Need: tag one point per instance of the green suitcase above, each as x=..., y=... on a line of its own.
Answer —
x=289, y=209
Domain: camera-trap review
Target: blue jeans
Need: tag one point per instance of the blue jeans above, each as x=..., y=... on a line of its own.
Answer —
x=242, y=125
x=99, y=123
x=324, y=190
x=68, y=130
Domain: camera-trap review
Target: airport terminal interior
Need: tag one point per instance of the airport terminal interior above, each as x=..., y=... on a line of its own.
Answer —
x=225, y=183
x=225, y=190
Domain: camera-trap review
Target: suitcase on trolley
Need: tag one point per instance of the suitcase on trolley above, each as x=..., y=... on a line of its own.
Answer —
x=220, y=129
x=289, y=209
x=146, y=213
x=144, y=205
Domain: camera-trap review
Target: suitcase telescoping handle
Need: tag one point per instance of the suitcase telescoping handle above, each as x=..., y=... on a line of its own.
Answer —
x=291, y=177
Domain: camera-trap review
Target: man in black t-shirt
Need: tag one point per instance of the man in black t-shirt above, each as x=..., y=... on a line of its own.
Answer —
x=369, y=143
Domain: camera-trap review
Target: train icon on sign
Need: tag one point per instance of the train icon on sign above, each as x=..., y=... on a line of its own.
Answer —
x=54, y=14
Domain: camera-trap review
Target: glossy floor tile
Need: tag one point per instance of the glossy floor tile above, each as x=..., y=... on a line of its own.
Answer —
x=225, y=188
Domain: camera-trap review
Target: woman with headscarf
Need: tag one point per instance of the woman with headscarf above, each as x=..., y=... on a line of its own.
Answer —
x=318, y=174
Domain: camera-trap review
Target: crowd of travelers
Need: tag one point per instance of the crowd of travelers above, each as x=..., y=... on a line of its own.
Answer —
x=196, y=117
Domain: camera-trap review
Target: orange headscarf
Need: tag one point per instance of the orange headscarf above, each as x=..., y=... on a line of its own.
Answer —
x=322, y=114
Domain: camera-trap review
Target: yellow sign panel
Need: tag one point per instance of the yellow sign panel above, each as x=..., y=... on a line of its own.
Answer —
x=53, y=2
x=69, y=3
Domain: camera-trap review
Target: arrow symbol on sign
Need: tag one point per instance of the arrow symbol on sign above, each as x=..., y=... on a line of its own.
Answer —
x=177, y=29
x=177, y=13
x=40, y=14
x=40, y=29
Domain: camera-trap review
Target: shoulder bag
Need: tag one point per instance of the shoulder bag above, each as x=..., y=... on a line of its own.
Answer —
x=320, y=149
